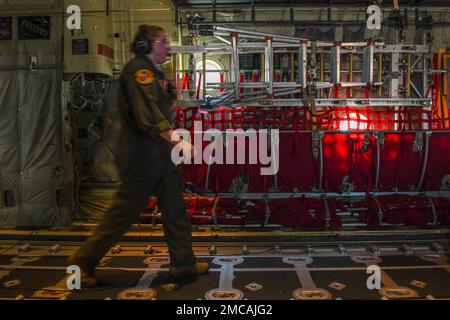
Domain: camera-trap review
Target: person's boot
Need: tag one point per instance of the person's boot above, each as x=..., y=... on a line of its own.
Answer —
x=197, y=269
x=87, y=278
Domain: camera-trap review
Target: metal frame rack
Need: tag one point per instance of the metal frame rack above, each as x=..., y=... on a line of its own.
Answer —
x=308, y=74
x=385, y=74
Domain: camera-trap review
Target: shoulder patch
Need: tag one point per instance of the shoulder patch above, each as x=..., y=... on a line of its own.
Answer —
x=144, y=76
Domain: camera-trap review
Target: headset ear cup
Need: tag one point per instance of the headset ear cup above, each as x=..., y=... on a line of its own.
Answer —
x=143, y=46
x=150, y=45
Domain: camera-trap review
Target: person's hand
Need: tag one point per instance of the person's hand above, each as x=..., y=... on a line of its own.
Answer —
x=181, y=145
x=188, y=151
x=188, y=148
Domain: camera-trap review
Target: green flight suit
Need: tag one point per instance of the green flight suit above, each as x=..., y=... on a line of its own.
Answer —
x=145, y=166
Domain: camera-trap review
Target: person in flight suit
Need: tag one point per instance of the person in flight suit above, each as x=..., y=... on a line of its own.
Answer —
x=143, y=157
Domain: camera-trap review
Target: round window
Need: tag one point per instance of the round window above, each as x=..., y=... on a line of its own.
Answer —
x=213, y=71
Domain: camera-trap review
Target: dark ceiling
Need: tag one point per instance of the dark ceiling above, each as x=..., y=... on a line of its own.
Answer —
x=384, y=3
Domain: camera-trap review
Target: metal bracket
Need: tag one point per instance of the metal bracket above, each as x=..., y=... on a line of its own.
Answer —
x=366, y=143
x=294, y=192
x=418, y=142
x=380, y=142
x=302, y=64
x=235, y=64
x=213, y=211
x=327, y=212
x=347, y=185
x=316, y=143
x=266, y=211
x=445, y=183
x=380, y=211
x=208, y=171
x=336, y=64
x=425, y=158
x=34, y=64
x=379, y=135
x=433, y=210
x=368, y=62
x=317, y=150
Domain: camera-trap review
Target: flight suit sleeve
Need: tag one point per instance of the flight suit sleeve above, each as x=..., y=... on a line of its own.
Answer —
x=143, y=99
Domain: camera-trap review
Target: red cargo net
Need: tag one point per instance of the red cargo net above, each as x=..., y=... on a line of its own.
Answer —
x=302, y=119
x=292, y=119
x=347, y=157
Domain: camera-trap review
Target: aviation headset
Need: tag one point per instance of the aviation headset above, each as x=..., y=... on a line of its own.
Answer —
x=142, y=44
